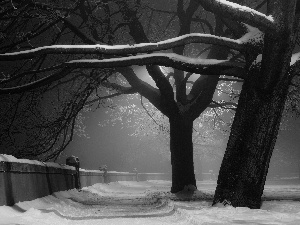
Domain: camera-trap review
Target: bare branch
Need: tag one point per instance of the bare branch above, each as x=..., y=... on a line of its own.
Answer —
x=129, y=91
x=35, y=84
x=117, y=87
x=146, y=110
x=223, y=105
x=144, y=89
x=200, y=66
x=201, y=94
x=230, y=79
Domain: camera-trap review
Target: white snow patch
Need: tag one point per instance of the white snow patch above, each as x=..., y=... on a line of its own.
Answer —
x=242, y=8
x=10, y=158
x=130, y=202
x=257, y=60
x=254, y=36
x=295, y=57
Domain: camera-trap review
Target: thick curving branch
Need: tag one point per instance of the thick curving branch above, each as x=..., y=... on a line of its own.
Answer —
x=125, y=49
x=201, y=95
x=144, y=89
x=195, y=65
x=240, y=13
x=200, y=66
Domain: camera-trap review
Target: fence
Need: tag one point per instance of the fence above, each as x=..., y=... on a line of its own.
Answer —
x=25, y=180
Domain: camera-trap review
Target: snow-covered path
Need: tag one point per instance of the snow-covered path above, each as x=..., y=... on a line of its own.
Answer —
x=127, y=202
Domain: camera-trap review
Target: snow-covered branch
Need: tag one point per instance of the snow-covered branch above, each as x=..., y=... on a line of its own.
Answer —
x=240, y=13
x=230, y=79
x=125, y=49
x=295, y=65
x=223, y=105
x=195, y=65
x=143, y=88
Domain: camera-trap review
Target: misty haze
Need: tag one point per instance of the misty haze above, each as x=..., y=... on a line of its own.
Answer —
x=149, y=112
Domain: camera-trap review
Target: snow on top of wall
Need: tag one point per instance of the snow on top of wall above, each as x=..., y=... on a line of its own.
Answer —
x=117, y=172
x=10, y=158
x=93, y=171
x=56, y=165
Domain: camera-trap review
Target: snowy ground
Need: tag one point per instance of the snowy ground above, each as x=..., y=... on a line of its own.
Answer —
x=127, y=202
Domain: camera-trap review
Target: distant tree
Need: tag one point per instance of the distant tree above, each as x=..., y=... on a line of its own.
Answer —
x=149, y=125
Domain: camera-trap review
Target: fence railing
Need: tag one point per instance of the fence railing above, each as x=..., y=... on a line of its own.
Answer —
x=25, y=180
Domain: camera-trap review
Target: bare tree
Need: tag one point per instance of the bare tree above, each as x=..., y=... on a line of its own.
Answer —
x=249, y=36
x=60, y=70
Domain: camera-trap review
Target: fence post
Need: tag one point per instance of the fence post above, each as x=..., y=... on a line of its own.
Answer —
x=136, y=174
x=74, y=161
x=104, y=169
x=211, y=174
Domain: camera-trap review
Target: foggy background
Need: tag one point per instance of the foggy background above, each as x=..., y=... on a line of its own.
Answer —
x=113, y=146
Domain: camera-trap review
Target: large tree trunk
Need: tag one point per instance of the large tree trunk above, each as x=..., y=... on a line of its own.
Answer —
x=253, y=135
x=254, y=130
x=181, y=147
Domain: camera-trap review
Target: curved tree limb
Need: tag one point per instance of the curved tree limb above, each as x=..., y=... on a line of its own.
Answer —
x=240, y=13
x=125, y=49
x=202, y=94
x=144, y=89
x=200, y=66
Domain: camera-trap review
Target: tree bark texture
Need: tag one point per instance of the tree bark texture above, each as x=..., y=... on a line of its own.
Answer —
x=254, y=130
x=181, y=146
